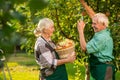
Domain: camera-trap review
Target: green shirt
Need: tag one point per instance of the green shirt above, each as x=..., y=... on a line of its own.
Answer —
x=101, y=46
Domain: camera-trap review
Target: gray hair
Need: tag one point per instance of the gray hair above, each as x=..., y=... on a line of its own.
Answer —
x=102, y=18
x=43, y=24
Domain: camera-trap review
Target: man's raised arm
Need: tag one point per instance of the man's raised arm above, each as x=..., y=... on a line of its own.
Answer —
x=88, y=9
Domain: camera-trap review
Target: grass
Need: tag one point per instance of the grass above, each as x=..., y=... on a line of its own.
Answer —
x=24, y=67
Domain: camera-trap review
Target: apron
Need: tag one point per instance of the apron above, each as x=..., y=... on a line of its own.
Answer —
x=60, y=72
x=98, y=69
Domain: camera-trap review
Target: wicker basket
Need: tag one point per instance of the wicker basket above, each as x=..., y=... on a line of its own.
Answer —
x=63, y=53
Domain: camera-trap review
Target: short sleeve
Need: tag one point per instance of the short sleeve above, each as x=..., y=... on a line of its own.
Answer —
x=96, y=44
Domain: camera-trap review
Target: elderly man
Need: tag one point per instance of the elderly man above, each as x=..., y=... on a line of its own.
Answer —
x=100, y=47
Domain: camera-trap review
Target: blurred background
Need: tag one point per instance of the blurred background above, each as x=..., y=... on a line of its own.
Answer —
x=18, y=19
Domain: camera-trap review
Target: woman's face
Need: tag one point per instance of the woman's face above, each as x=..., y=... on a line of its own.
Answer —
x=49, y=31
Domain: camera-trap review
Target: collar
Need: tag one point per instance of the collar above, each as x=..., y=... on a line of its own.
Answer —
x=102, y=31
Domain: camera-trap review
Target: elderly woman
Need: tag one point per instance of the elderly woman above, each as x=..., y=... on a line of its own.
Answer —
x=52, y=67
x=100, y=47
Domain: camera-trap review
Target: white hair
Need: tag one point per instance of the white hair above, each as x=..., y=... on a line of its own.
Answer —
x=43, y=24
x=102, y=18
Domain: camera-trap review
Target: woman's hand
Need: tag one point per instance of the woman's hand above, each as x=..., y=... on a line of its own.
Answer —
x=71, y=57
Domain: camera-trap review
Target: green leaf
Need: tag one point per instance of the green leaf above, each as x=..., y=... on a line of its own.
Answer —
x=38, y=4
x=18, y=16
x=18, y=1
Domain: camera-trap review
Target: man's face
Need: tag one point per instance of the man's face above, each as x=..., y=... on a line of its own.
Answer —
x=97, y=26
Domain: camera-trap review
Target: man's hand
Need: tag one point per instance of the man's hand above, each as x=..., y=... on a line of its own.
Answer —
x=80, y=25
x=82, y=1
x=88, y=9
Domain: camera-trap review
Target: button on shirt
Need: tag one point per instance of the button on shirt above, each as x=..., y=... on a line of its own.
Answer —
x=101, y=46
